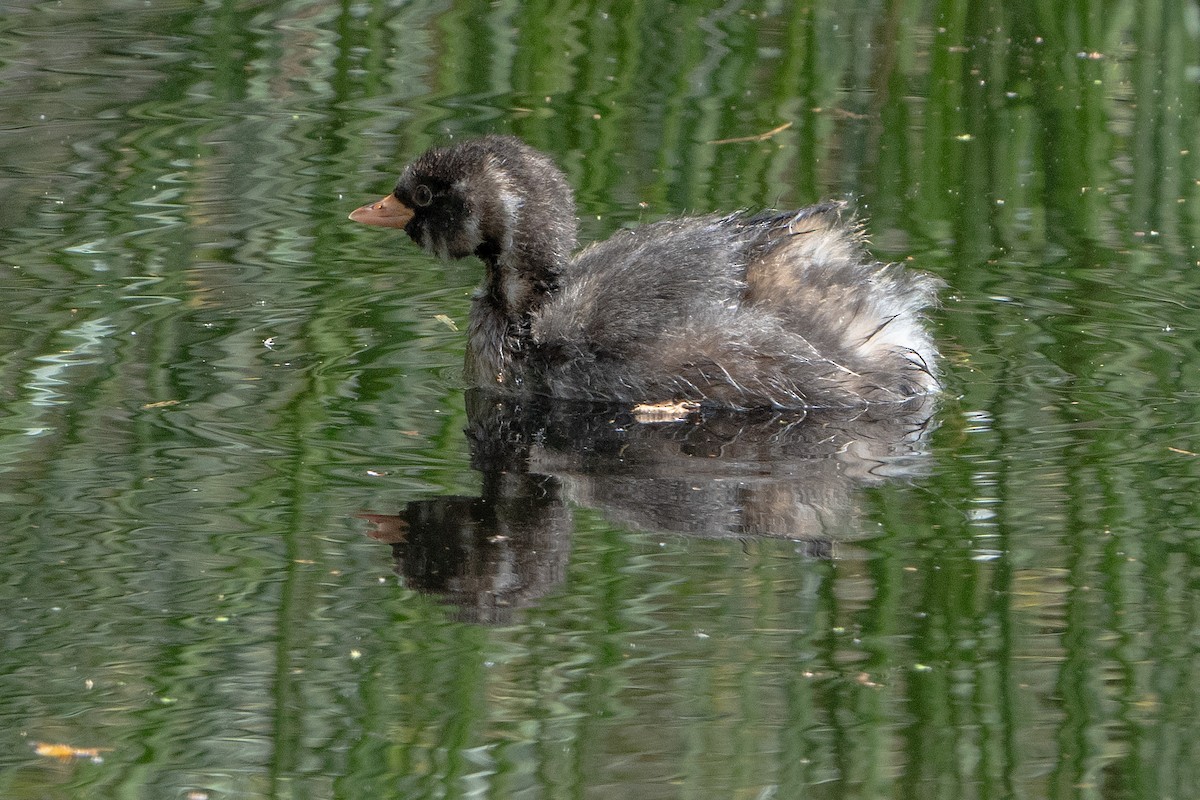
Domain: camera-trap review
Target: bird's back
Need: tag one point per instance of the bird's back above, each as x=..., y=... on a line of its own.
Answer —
x=783, y=310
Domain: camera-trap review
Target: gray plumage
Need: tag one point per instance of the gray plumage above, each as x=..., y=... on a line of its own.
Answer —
x=778, y=309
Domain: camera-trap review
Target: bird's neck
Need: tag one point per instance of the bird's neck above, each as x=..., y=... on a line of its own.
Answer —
x=500, y=334
x=517, y=285
x=525, y=251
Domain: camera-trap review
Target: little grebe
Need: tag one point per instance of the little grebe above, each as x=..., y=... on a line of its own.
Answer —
x=768, y=310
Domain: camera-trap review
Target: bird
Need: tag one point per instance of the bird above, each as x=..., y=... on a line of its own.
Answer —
x=743, y=310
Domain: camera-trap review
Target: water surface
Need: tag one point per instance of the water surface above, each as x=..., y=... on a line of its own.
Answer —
x=210, y=376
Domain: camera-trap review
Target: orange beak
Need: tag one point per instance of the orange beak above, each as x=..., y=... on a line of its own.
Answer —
x=386, y=213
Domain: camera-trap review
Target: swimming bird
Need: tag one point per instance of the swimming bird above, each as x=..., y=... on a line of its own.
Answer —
x=775, y=309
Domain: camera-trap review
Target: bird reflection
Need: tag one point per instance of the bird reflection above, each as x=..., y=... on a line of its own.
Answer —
x=710, y=474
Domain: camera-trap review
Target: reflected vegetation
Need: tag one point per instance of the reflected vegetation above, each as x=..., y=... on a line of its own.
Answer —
x=205, y=373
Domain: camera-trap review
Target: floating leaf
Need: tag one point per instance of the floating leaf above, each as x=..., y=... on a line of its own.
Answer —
x=65, y=752
x=664, y=412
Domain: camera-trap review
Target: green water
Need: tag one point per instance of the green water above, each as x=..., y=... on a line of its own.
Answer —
x=207, y=373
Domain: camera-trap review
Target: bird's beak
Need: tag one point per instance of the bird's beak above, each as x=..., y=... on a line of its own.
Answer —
x=385, y=213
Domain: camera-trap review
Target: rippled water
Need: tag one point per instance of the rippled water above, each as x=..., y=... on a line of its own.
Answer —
x=257, y=541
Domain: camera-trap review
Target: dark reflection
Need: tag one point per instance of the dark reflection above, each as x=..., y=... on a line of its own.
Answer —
x=713, y=474
x=486, y=555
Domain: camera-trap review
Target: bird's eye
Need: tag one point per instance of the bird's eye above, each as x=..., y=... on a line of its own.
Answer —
x=422, y=195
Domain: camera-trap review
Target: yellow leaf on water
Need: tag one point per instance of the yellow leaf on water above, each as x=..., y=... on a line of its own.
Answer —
x=65, y=752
